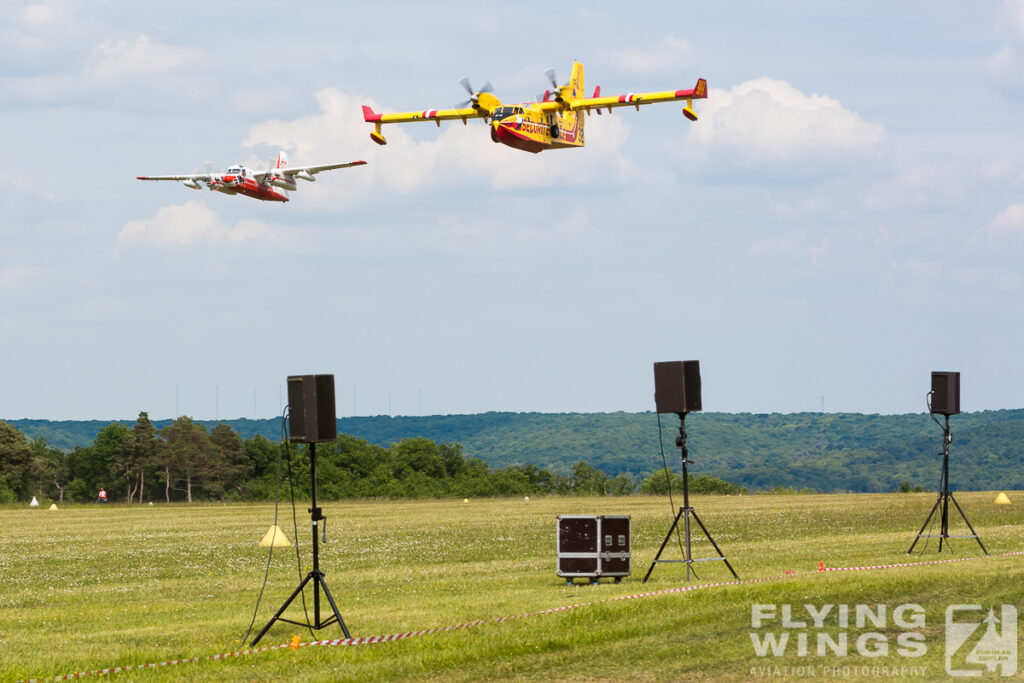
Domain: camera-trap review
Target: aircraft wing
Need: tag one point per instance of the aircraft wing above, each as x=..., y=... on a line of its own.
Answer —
x=437, y=115
x=303, y=171
x=313, y=170
x=193, y=176
x=549, y=106
x=699, y=91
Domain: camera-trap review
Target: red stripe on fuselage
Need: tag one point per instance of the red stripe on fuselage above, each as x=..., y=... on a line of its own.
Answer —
x=509, y=137
x=250, y=188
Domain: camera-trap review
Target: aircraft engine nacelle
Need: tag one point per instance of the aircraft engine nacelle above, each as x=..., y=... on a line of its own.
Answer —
x=307, y=176
x=282, y=181
x=194, y=184
x=216, y=183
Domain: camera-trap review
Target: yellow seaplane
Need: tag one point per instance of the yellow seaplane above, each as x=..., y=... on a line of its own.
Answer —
x=554, y=121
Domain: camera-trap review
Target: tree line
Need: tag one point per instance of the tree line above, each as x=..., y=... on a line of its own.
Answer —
x=185, y=461
x=826, y=452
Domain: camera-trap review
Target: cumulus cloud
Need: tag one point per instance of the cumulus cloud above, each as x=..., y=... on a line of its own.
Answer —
x=464, y=237
x=802, y=246
x=19, y=276
x=30, y=30
x=914, y=281
x=131, y=71
x=767, y=123
x=455, y=155
x=1006, y=66
x=140, y=56
x=934, y=180
x=1009, y=221
x=670, y=55
x=191, y=223
x=1015, y=14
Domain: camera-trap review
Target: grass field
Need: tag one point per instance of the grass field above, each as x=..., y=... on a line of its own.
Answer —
x=90, y=587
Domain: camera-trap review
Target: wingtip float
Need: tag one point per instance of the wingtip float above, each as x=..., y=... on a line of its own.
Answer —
x=555, y=121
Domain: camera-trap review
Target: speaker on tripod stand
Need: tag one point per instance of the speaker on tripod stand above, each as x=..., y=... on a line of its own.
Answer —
x=311, y=419
x=944, y=399
x=677, y=390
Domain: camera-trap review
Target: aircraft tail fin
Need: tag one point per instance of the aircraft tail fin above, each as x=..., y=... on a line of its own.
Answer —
x=576, y=85
x=282, y=159
x=576, y=80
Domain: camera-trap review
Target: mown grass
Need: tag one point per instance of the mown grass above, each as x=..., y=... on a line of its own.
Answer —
x=88, y=587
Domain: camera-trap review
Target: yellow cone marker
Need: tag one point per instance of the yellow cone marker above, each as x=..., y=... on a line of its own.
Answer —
x=465, y=500
x=1002, y=499
x=274, y=537
x=53, y=506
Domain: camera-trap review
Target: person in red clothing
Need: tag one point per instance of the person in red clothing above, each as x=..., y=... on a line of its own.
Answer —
x=103, y=495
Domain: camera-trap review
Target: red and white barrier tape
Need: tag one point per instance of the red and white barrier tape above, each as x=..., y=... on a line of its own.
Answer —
x=370, y=640
x=823, y=568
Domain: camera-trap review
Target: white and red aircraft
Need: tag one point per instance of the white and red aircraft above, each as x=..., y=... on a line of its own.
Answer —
x=256, y=184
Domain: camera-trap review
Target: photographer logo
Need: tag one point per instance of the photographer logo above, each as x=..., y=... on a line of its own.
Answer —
x=976, y=643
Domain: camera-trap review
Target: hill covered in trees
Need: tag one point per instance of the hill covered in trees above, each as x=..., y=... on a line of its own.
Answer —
x=819, y=451
x=183, y=461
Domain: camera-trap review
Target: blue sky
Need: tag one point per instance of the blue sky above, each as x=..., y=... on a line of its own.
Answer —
x=846, y=216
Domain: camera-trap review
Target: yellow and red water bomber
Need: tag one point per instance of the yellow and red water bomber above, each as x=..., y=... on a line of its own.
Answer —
x=554, y=121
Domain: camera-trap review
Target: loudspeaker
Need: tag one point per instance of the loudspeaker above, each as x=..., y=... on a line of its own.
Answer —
x=311, y=415
x=677, y=386
x=946, y=393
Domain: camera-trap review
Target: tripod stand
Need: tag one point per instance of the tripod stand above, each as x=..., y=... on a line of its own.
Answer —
x=316, y=576
x=685, y=513
x=945, y=495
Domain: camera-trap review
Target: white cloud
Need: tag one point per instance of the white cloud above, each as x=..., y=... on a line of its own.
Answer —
x=916, y=280
x=988, y=278
x=1009, y=221
x=1015, y=14
x=190, y=223
x=40, y=27
x=935, y=180
x=134, y=71
x=670, y=55
x=16, y=277
x=140, y=56
x=801, y=246
x=1006, y=67
x=519, y=239
x=769, y=123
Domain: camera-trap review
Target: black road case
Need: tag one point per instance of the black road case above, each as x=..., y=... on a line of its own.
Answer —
x=592, y=546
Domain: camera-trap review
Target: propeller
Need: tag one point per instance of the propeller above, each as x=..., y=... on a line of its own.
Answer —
x=550, y=73
x=474, y=95
x=556, y=90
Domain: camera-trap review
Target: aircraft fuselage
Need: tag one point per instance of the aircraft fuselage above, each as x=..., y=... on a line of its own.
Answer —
x=527, y=128
x=240, y=183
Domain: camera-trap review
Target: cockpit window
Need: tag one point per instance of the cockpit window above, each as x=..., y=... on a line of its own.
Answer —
x=504, y=112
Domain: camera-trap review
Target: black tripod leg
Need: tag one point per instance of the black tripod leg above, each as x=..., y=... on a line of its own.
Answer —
x=944, y=536
x=330, y=599
x=925, y=525
x=976, y=537
x=287, y=602
x=711, y=538
x=663, y=544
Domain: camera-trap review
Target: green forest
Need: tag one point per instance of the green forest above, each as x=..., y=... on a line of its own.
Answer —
x=524, y=453
x=184, y=461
